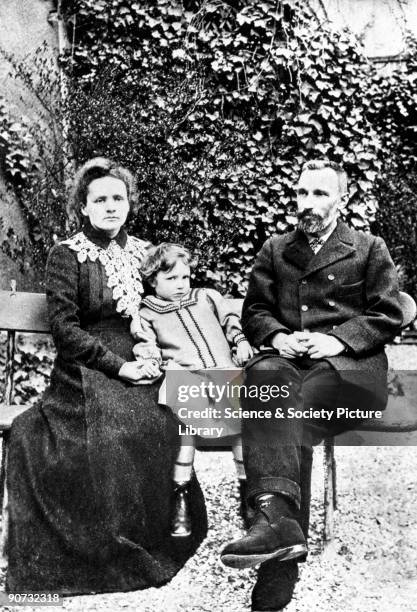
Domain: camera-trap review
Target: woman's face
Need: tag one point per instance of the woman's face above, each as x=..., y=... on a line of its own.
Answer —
x=107, y=205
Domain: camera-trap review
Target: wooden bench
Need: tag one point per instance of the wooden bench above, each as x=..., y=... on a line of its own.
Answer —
x=19, y=312
x=27, y=313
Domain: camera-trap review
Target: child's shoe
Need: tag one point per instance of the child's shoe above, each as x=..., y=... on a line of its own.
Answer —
x=181, y=519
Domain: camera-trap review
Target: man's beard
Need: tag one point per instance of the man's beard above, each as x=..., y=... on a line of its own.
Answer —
x=311, y=223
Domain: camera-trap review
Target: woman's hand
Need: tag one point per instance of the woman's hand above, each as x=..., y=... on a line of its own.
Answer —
x=150, y=369
x=132, y=371
x=243, y=353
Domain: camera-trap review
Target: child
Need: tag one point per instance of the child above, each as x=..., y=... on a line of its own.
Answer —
x=188, y=330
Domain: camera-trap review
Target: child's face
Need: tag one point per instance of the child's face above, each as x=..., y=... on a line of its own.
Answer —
x=173, y=285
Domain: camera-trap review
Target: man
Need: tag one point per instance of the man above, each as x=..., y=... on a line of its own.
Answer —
x=322, y=302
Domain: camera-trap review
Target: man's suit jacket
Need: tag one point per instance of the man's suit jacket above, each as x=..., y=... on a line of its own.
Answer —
x=349, y=289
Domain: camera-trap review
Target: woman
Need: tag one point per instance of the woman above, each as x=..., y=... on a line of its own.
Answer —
x=90, y=467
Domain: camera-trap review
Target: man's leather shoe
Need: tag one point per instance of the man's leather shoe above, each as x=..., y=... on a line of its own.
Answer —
x=273, y=535
x=181, y=519
x=275, y=585
x=246, y=512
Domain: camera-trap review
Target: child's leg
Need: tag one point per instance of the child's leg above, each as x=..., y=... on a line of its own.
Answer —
x=237, y=450
x=183, y=468
x=184, y=463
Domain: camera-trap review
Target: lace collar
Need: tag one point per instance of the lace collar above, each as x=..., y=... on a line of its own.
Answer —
x=121, y=258
x=162, y=306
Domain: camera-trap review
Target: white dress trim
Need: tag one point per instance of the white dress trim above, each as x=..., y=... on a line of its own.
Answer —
x=122, y=268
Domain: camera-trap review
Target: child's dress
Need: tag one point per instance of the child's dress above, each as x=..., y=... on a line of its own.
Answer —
x=193, y=339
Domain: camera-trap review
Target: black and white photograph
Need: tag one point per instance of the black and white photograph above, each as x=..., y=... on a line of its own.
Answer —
x=208, y=305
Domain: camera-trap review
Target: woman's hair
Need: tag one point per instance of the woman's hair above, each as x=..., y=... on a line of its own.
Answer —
x=163, y=258
x=98, y=167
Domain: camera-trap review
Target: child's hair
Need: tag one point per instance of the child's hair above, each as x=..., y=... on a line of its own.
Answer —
x=163, y=258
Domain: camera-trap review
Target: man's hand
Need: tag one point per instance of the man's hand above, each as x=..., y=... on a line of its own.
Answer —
x=320, y=346
x=288, y=345
x=243, y=353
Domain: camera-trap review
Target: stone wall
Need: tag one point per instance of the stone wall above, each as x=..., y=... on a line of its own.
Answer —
x=380, y=24
x=24, y=27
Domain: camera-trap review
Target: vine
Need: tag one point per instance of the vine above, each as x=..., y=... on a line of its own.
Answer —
x=31, y=155
x=216, y=105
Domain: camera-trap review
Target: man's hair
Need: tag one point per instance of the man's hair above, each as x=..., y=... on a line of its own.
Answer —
x=96, y=168
x=163, y=258
x=322, y=164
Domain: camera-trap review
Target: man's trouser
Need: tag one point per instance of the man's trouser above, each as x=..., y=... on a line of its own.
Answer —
x=278, y=451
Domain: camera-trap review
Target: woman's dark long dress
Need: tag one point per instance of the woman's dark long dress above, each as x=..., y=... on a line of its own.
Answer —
x=90, y=466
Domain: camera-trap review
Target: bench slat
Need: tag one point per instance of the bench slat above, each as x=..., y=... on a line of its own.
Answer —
x=23, y=312
x=9, y=412
x=27, y=312
x=396, y=419
x=399, y=416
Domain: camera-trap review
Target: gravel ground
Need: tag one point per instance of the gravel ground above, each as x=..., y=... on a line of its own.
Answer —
x=370, y=566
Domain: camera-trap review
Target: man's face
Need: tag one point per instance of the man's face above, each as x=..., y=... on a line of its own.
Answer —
x=318, y=200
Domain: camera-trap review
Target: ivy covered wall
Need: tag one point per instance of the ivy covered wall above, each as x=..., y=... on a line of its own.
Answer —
x=215, y=105
x=235, y=96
